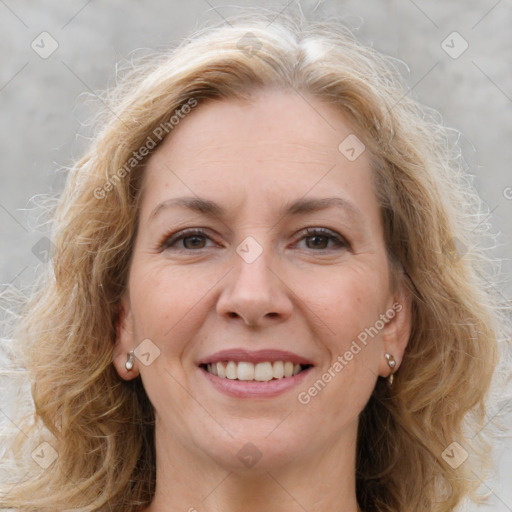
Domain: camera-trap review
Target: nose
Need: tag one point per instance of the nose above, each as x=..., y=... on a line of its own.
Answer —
x=255, y=293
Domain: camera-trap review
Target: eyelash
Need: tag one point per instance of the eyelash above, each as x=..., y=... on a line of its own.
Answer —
x=170, y=239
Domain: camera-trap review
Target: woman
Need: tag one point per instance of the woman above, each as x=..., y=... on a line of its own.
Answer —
x=266, y=292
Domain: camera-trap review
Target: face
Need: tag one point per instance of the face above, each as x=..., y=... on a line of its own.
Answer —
x=260, y=247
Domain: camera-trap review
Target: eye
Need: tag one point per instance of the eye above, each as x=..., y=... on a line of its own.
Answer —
x=319, y=239
x=194, y=239
x=188, y=239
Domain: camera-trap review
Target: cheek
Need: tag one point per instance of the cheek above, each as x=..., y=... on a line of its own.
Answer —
x=350, y=308
x=347, y=300
x=166, y=299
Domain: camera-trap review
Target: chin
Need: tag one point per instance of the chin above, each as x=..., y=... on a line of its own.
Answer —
x=253, y=451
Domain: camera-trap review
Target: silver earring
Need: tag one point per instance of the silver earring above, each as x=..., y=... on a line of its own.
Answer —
x=129, y=363
x=392, y=365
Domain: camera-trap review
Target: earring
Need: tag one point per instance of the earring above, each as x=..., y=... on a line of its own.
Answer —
x=129, y=363
x=392, y=365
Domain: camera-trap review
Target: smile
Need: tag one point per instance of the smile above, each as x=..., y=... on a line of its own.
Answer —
x=248, y=371
x=264, y=373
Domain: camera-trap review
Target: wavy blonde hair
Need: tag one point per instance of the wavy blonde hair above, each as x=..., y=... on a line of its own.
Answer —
x=102, y=426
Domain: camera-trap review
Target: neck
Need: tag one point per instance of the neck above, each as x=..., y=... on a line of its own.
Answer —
x=195, y=482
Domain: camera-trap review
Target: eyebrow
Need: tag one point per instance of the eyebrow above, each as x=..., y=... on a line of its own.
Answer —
x=298, y=207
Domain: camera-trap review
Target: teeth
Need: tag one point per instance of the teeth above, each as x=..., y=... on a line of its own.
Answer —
x=220, y=370
x=278, y=370
x=231, y=372
x=245, y=371
x=261, y=372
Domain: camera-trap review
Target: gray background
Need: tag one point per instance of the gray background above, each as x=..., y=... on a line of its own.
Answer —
x=43, y=112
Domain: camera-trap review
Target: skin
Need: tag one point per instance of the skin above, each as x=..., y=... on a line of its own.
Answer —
x=303, y=294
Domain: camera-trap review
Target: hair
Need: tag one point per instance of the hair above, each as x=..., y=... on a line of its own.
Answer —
x=102, y=427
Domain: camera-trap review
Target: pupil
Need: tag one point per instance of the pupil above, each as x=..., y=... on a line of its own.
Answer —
x=318, y=238
x=196, y=241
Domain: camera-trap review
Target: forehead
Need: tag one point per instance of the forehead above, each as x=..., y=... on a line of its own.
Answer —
x=298, y=119
x=279, y=141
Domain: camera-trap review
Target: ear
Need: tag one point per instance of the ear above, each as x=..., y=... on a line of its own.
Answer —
x=125, y=341
x=397, y=330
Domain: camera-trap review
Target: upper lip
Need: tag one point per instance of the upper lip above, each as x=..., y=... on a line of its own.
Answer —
x=254, y=356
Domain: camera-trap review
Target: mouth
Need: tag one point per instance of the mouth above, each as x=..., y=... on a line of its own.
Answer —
x=260, y=372
x=264, y=373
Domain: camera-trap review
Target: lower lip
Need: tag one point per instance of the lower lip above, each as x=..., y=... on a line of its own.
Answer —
x=255, y=389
